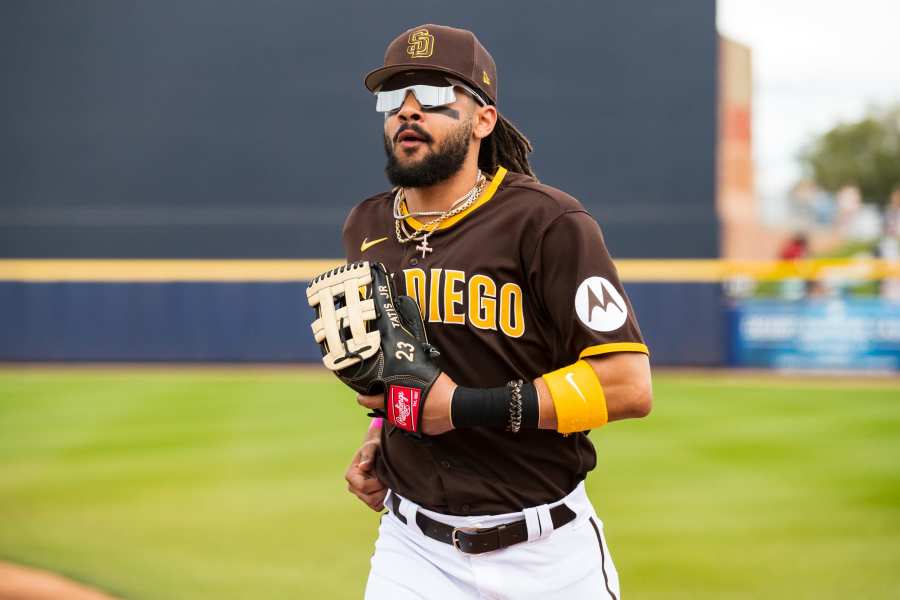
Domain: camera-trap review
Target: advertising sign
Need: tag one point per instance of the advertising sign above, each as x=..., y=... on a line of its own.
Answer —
x=834, y=334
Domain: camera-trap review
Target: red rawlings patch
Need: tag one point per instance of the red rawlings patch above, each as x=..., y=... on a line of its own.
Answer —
x=403, y=407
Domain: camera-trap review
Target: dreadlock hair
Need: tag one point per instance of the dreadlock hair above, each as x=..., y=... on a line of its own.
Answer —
x=507, y=147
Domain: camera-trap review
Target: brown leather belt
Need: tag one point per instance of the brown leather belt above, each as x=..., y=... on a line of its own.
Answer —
x=478, y=541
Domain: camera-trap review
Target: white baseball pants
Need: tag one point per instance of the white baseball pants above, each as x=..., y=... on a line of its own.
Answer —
x=571, y=563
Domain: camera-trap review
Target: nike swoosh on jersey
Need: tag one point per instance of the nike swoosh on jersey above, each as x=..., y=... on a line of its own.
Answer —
x=366, y=244
x=570, y=377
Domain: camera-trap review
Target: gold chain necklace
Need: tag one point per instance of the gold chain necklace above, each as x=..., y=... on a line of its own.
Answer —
x=404, y=236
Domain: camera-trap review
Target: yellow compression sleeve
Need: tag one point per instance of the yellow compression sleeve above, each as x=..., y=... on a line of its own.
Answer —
x=578, y=398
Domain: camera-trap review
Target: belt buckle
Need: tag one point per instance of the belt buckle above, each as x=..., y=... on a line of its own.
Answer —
x=454, y=540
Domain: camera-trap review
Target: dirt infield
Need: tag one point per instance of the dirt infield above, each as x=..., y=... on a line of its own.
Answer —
x=23, y=583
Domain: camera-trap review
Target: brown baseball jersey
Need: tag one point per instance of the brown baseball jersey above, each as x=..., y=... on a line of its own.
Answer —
x=518, y=285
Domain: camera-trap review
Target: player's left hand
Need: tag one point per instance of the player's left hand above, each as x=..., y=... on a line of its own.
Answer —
x=435, y=415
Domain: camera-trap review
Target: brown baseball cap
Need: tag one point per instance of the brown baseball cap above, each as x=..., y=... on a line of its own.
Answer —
x=456, y=52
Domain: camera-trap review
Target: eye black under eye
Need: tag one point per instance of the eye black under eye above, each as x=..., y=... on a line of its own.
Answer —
x=443, y=110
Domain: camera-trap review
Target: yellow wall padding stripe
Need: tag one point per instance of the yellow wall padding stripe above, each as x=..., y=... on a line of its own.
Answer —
x=614, y=347
x=137, y=270
x=716, y=270
x=487, y=195
x=239, y=270
x=578, y=398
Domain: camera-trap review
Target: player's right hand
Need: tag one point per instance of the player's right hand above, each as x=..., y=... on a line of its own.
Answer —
x=360, y=475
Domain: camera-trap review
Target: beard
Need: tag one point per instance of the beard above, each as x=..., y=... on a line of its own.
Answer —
x=438, y=165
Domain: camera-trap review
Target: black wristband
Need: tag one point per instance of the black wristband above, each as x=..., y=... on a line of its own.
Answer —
x=480, y=407
x=489, y=407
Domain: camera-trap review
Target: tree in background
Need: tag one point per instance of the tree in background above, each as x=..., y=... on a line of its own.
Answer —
x=865, y=154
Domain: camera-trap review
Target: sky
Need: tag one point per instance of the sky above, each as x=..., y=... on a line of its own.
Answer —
x=815, y=63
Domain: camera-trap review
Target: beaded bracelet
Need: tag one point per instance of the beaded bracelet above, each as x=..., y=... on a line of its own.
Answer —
x=515, y=405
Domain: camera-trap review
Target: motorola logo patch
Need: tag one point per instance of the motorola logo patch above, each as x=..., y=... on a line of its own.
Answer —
x=599, y=305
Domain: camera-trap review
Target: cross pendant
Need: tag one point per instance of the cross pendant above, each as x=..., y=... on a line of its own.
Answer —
x=424, y=248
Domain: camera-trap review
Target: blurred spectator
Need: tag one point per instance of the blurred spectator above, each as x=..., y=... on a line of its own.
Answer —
x=889, y=248
x=866, y=225
x=812, y=206
x=857, y=221
x=795, y=248
x=849, y=200
x=824, y=208
x=801, y=199
x=892, y=215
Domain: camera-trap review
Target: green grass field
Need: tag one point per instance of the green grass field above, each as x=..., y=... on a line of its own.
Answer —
x=229, y=484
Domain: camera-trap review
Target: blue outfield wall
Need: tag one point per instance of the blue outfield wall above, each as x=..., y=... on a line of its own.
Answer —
x=683, y=323
x=155, y=322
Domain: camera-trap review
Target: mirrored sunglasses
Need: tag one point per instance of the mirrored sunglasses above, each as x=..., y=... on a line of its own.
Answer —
x=428, y=96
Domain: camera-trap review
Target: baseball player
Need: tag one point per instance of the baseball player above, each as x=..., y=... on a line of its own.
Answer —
x=483, y=474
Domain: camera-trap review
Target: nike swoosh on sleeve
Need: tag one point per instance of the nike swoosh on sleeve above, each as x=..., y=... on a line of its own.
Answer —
x=366, y=244
x=570, y=377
